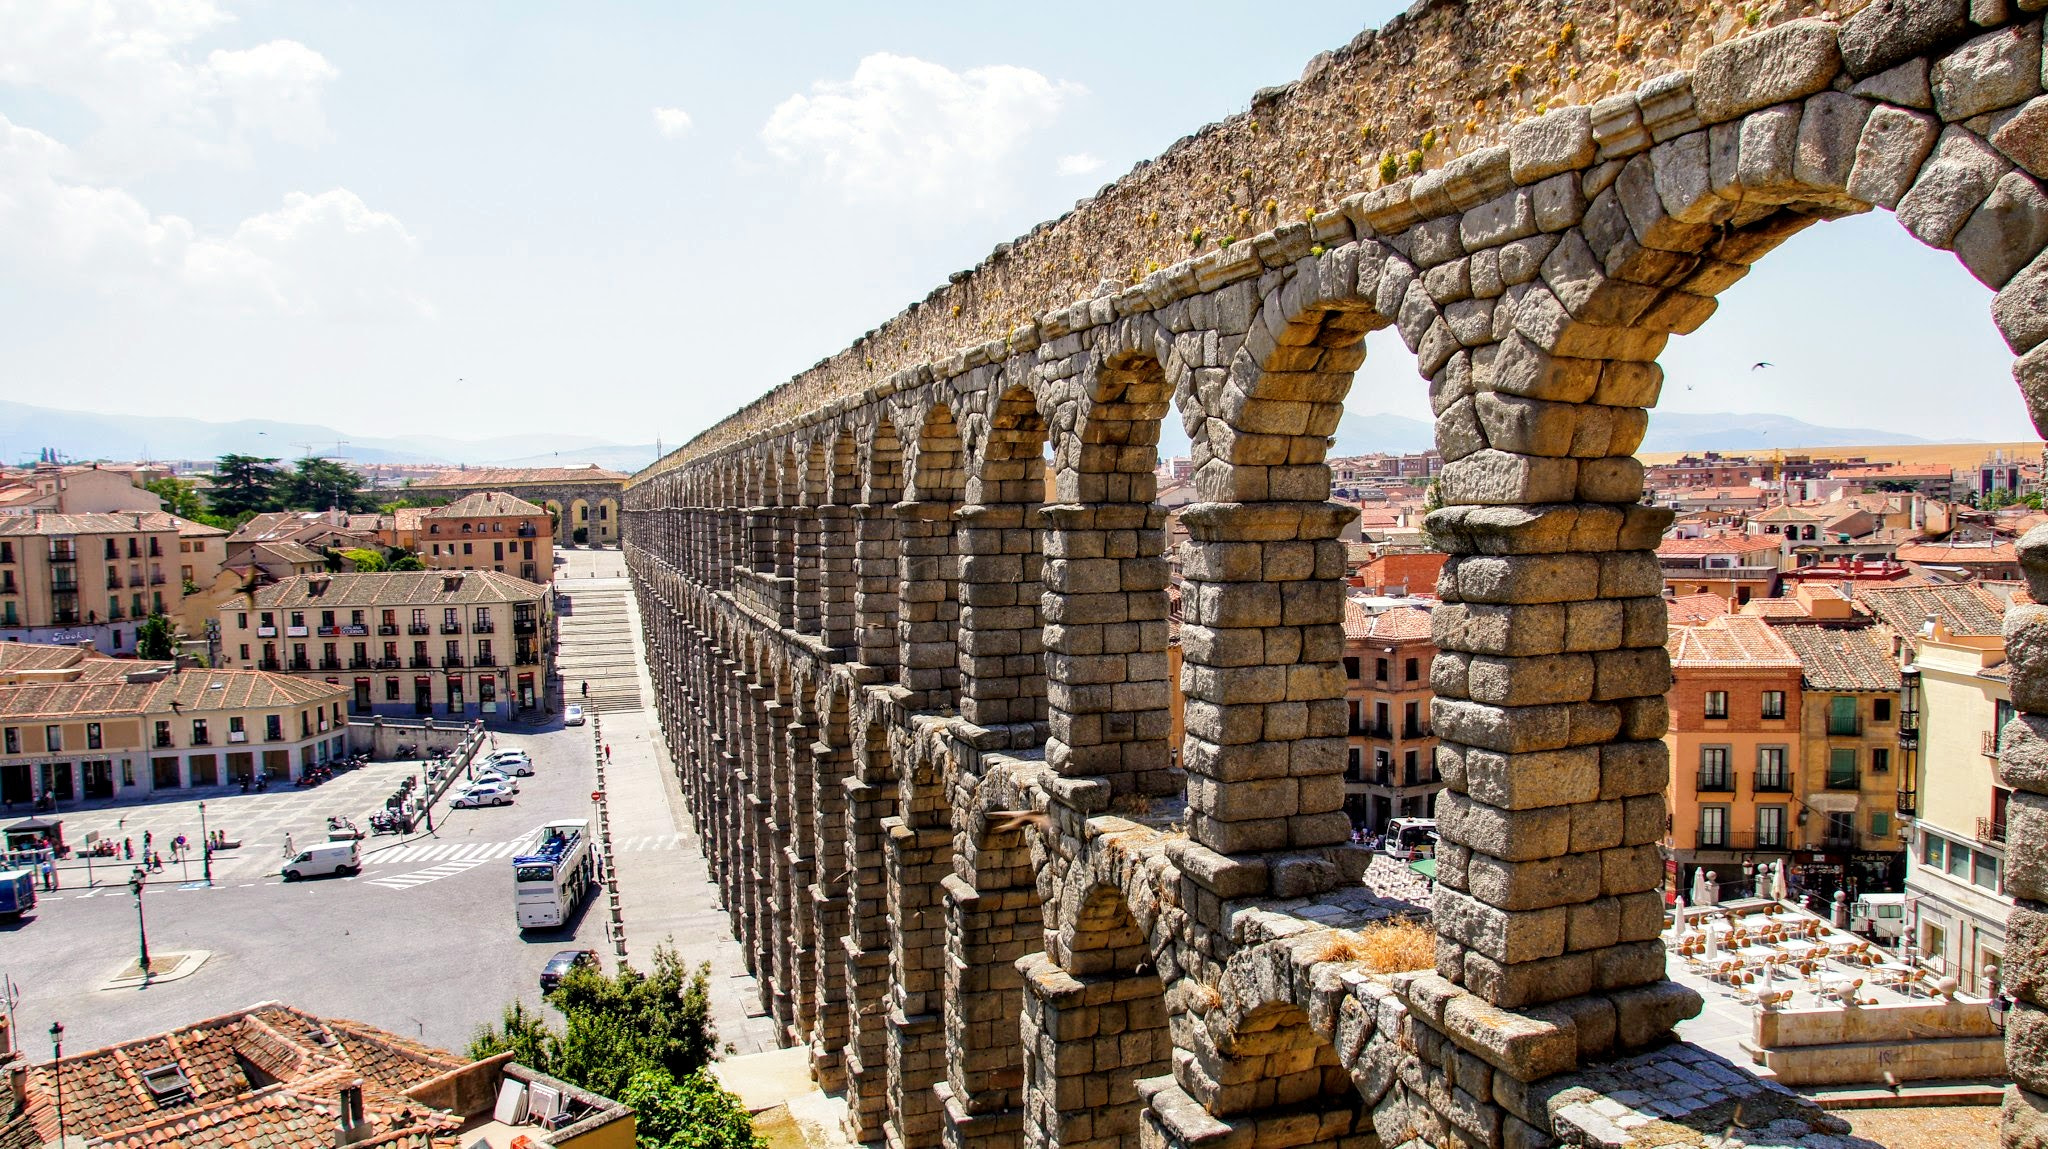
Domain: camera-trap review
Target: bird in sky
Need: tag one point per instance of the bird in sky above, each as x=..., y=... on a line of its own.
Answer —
x=1760, y=366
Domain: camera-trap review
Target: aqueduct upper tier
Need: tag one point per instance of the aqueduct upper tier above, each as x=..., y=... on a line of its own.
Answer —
x=917, y=685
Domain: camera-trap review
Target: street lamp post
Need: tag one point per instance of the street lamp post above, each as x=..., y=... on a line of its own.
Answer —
x=57, y=1072
x=205, y=847
x=135, y=884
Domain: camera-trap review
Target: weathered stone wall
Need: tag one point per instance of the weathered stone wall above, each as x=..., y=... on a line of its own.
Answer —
x=1447, y=78
x=984, y=906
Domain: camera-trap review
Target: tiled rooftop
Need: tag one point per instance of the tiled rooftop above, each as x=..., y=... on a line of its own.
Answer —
x=1964, y=608
x=1730, y=641
x=1844, y=658
x=484, y=504
x=1719, y=545
x=519, y=476
x=397, y=588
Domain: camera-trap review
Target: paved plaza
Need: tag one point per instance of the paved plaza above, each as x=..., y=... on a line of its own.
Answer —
x=422, y=942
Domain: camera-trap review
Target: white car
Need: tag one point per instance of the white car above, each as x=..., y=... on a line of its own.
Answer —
x=483, y=794
x=513, y=764
x=491, y=776
x=573, y=716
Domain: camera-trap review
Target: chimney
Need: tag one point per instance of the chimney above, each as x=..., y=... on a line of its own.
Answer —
x=351, y=1126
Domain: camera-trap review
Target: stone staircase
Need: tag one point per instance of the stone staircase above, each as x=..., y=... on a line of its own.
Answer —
x=596, y=646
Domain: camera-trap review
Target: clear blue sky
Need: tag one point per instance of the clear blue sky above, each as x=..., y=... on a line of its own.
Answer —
x=624, y=220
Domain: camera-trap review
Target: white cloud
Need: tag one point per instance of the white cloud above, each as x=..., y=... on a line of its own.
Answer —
x=1078, y=164
x=327, y=255
x=672, y=122
x=904, y=127
x=134, y=66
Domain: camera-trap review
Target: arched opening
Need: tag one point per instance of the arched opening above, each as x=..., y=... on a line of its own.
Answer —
x=606, y=529
x=876, y=562
x=1002, y=663
x=1093, y=1029
x=1109, y=674
x=928, y=606
x=579, y=522
x=993, y=920
x=837, y=548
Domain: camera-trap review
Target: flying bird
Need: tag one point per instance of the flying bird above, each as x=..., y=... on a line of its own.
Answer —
x=1004, y=821
x=1759, y=366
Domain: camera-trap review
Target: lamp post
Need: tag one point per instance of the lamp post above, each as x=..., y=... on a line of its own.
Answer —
x=205, y=847
x=135, y=884
x=57, y=1072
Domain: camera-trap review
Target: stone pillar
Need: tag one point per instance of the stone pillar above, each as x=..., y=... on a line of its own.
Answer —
x=870, y=800
x=806, y=612
x=876, y=570
x=1261, y=640
x=928, y=606
x=836, y=547
x=1002, y=673
x=1105, y=639
x=2023, y=765
x=993, y=919
x=832, y=1029
x=917, y=863
x=798, y=972
x=1088, y=1039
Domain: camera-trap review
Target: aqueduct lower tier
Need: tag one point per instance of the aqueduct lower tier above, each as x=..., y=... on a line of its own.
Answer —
x=920, y=701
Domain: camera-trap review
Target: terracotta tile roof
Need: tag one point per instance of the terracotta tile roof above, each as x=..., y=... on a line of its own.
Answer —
x=203, y=690
x=397, y=588
x=101, y=669
x=1783, y=513
x=1719, y=545
x=1964, y=608
x=19, y=656
x=1844, y=658
x=408, y=518
x=1940, y=554
x=1899, y=471
x=519, y=476
x=1690, y=609
x=1730, y=642
x=1403, y=623
x=1357, y=620
x=484, y=504
x=73, y=700
x=286, y=552
x=46, y=523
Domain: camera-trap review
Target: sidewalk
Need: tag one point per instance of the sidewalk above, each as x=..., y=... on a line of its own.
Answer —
x=667, y=896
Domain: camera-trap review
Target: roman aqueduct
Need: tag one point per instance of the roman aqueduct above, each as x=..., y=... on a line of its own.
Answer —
x=920, y=701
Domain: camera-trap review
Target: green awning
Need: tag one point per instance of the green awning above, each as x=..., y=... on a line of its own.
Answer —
x=1424, y=866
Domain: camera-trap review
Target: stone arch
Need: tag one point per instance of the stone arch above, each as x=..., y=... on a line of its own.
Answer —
x=928, y=603
x=876, y=550
x=1002, y=665
x=838, y=546
x=605, y=527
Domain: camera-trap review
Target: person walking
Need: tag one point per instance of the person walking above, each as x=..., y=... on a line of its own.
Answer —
x=128, y=849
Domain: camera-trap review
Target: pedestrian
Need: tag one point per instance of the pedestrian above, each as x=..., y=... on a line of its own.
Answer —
x=49, y=875
x=145, y=842
x=288, y=843
x=128, y=849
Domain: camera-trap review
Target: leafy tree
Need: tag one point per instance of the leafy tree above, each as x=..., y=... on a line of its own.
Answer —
x=180, y=496
x=245, y=484
x=640, y=1038
x=156, y=639
x=693, y=1113
x=364, y=560
x=407, y=562
x=316, y=484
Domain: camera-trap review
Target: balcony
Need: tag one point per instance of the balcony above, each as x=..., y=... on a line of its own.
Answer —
x=63, y=555
x=526, y=532
x=156, y=549
x=330, y=632
x=1773, y=782
x=114, y=582
x=163, y=742
x=156, y=578
x=299, y=664
x=1987, y=743
x=390, y=663
x=64, y=618
x=527, y=657
x=484, y=627
x=201, y=740
x=387, y=628
x=1708, y=839
x=330, y=664
x=419, y=628
x=1991, y=830
x=1841, y=781
x=1908, y=803
x=269, y=664
x=359, y=664
x=421, y=662
x=238, y=736
x=451, y=628
x=266, y=632
x=1839, y=843
x=486, y=660
x=451, y=660
x=1716, y=782
x=1844, y=727
x=64, y=586
x=524, y=626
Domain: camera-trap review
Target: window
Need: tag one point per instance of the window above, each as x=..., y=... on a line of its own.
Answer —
x=1841, y=827
x=1880, y=824
x=1934, y=944
x=245, y=652
x=483, y=618
x=1353, y=766
x=1880, y=760
x=1958, y=861
x=242, y=620
x=1382, y=726
x=1716, y=704
x=1379, y=669
x=1713, y=826
x=163, y=733
x=1881, y=710
x=1770, y=827
x=236, y=726
x=355, y=618
x=1714, y=769
x=467, y=548
x=1770, y=769
x=1351, y=670
x=1411, y=720
x=1842, y=770
x=450, y=617
x=53, y=738
x=1411, y=770
x=1774, y=704
x=298, y=618
x=199, y=732
x=391, y=690
x=1985, y=874
x=326, y=618
x=13, y=740
x=1842, y=719
x=266, y=619
x=273, y=727
x=1933, y=851
x=1412, y=669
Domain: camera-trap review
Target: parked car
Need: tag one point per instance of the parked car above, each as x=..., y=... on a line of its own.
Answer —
x=513, y=763
x=483, y=794
x=322, y=860
x=572, y=716
x=502, y=755
x=562, y=963
x=492, y=776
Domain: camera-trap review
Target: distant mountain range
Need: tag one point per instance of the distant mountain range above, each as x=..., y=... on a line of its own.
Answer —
x=26, y=429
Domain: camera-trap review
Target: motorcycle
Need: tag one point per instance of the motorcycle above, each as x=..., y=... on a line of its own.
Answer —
x=343, y=830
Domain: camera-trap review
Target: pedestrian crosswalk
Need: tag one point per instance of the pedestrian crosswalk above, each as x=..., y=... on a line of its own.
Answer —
x=473, y=852
x=422, y=877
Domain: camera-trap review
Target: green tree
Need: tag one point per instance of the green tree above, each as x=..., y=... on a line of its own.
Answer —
x=245, y=484
x=525, y=1034
x=364, y=560
x=693, y=1113
x=316, y=484
x=407, y=562
x=156, y=639
x=180, y=496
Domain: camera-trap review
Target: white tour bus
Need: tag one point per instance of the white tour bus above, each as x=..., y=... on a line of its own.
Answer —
x=1410, y=838
x=549, y=883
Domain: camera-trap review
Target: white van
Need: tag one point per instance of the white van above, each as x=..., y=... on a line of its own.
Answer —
x=322, y=860
x=1881, y=917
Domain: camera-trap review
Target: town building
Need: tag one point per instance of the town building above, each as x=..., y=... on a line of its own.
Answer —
x=1851, y=728
x=489, y=530
x=1391, y=770
x=1711, y=469
x=582, y=502
x=458, y=643
x=1959, y=695
x=317, y=531
x=1934, y=480
x=91, y=488
x=1983, y=559
x=87, y=577
x=78, y=727
x=272, y=1075
x=1736, y=567
x=1734, y=740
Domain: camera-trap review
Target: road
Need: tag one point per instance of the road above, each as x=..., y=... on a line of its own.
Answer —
x=422, y=942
